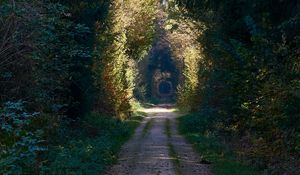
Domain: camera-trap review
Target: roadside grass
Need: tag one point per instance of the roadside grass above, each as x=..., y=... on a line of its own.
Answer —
x=174, y=110
x=90, y=146
x=222, y=158
x=148, y=105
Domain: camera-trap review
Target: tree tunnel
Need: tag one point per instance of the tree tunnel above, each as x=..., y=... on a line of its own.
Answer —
x=161, y=75
x=159, y=70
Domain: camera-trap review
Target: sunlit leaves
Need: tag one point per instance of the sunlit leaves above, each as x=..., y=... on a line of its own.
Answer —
x=183, y=33
x=128, y=38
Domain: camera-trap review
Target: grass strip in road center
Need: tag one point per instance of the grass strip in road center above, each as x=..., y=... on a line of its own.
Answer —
x=175, y=159
x=147, y=127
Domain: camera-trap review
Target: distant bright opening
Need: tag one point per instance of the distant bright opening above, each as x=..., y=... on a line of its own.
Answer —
x=165, y=88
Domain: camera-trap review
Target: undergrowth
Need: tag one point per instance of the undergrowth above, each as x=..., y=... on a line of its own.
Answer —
x=90, y=149
x=223, y=158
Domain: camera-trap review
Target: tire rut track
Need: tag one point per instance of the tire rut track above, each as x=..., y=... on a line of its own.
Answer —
x=157, y=149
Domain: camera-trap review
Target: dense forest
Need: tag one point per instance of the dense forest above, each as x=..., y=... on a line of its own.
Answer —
x=248, y=90
x=73, y=74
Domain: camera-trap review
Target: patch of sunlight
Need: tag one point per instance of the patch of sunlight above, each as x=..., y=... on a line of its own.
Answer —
x=160, y=110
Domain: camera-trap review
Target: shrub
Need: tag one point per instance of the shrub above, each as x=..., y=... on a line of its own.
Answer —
x=90, y=148
x=22, y=142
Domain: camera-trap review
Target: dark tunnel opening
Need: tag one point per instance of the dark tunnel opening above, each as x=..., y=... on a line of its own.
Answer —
x=165, y=88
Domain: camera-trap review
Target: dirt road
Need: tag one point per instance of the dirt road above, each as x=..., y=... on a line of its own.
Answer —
x=157, y=149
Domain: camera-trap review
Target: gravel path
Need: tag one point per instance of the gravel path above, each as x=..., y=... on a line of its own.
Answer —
x=149, y=151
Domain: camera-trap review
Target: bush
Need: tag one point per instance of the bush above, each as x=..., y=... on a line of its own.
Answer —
x=224, y=161
x=201, y=122
x=82, y=156
x=22, y=142
x=91, y=148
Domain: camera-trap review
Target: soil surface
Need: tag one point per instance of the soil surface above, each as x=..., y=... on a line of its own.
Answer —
x=157, y=149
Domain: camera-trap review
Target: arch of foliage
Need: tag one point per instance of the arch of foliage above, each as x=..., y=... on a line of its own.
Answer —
x=126, y=40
